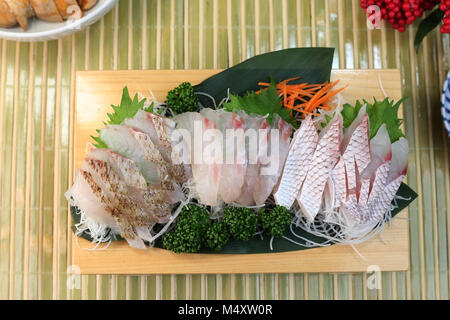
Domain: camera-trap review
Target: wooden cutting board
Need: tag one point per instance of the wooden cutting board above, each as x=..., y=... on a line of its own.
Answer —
x=97, y=90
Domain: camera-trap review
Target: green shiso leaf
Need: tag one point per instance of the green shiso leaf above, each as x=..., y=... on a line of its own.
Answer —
x=379, y=112
x=126, y=109
x=312, y=64
x=266, y=103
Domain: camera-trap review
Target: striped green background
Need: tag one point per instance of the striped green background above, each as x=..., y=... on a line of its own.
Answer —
x=36, y=139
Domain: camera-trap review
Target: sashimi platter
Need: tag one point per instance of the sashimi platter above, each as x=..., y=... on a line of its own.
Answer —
x=265, y=157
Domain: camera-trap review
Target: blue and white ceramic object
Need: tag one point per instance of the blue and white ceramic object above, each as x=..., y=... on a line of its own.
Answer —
x=446, y=103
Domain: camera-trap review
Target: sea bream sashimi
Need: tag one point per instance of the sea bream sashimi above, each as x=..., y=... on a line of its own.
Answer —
x=133, y=201
x=105, y=201
x=324, y=159
x=356, y=148
x=256, y=128
x=160, y=130
x=205, y=154
x=272, y=159
x=385, y=181
x=297, y=163
x=234, y=164
x=137, y=146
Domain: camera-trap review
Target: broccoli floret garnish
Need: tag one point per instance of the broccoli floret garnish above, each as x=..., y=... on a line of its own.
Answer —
x=189, y=233
x=182, y=99
x=275, y=221
x=242, y=223
x=217, y=236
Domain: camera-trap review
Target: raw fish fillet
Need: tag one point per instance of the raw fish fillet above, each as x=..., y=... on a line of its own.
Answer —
x=378, y=208
x=137, y=146
x=232, y=128
x=357, y=152
x=270, y=172
x=205, y=154
x=339, y=181
x=128, y=170
x=297, y=163
x=382, y=178
x=140, y=207
x=100, y=202
x=379, y=180
x=325, y=158
x=380, y=151
x=160, y=130
x=254, y=125
x=90, y=198
x=399, y=163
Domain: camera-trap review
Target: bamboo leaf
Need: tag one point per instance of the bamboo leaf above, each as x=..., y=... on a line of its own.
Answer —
x=427, y=25
x=312, y=64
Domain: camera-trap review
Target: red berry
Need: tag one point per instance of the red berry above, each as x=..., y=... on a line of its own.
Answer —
x=399, y=13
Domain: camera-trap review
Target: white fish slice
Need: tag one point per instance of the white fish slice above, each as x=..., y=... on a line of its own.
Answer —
x=378, y=208
x=297, y=163
x=399, y=163
x=364, y=191
x=380, y=151
x=254, y=125
x=339, y=178
x=325, y=158
x=205, y=154
x=270, y=171
x=137, y=146
x=357, y=152
x=88, y=198
x=160, y=130
x=352, y=210
x=379, y=180
x=127, y=169
x=233, y=169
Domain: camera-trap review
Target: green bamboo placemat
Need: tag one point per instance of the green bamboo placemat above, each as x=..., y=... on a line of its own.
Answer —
x=36, y=109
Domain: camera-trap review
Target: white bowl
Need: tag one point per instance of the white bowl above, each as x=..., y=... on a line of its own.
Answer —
x=39, y=30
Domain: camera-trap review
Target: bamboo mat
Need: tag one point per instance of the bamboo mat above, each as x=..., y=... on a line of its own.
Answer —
x=36, y=139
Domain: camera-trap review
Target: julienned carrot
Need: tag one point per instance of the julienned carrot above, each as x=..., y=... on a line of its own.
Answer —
x=305, y=98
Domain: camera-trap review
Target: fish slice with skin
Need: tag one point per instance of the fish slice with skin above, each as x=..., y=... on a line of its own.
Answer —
x=253, y=125
x=206, y=163
x=130, y=173
x=233, y=169
x=399, y=162
x=271, y=170
x=380, y=151
x=324, y=159
x=386, y=181
x=297, y=163
x=356, y=153
x=160, y=130
x=90, y=199
x=153, y=199
x=93, y=200
x=141, y=207
x=338, y=179
x=137, y=146
x=131, y=216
